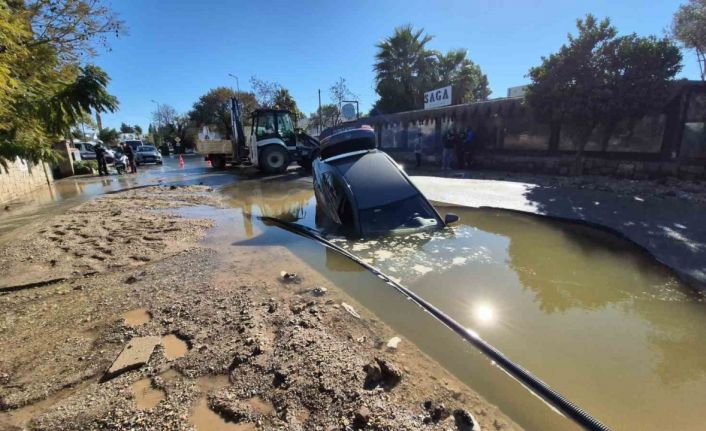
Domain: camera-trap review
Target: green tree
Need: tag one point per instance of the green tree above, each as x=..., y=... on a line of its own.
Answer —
x=284, y=100
x=599, y=79
x=109, y=136
x=213, y=109
x=689, y=27
x=137, y=129
x=403, y=66
x=125, y=128
x=469, y=83
x=44, y=90
x=330, y=116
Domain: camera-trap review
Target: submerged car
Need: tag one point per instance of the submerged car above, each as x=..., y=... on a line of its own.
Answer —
x=147, y=154
x=362, y=192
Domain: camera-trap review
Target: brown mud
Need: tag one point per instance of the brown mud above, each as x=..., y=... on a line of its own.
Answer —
x=254, y=352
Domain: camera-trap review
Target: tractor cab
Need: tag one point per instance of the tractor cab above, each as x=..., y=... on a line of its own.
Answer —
x=273, y=124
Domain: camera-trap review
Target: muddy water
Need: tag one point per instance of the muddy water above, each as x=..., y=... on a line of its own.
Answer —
x=204, y=419
x=174, y=347
x=588, y=313
x=137, y=317
x=146, y=396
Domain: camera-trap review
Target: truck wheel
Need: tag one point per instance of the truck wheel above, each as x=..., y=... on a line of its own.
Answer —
x=274, y=160
x=308, y=162
x=217, y=161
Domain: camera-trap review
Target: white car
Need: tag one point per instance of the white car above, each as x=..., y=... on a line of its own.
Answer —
x=88, y=152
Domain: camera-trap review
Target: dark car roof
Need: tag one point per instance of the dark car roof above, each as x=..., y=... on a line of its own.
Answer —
x=348, y=140
x=374, y=182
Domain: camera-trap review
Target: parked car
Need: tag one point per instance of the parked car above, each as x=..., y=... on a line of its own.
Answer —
x=362, y=192
x=134, y=144
x=88, y=152
x=147, y=154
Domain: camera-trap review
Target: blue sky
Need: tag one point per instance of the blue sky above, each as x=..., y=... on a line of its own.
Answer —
x=175, y=51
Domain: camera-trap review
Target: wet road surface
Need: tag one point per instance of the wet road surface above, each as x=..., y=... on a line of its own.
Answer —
x=590, y=314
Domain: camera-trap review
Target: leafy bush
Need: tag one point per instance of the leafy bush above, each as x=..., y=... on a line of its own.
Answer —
x=83, y=167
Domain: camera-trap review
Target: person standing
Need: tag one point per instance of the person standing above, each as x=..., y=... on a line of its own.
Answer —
x=418, y=150
x=130, y=158
x=458, y=149
x=447, y=153
x=100, y=158
x=468, y=146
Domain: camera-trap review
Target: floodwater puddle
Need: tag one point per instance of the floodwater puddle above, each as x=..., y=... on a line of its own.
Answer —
x=204, y=419
x=137, y=317
x=587, y=312
x=174, y=347
x=211, y=383
x=146, y=396
x=261, y=406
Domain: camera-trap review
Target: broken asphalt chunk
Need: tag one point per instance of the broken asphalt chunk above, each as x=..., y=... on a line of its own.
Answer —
x=135, y=354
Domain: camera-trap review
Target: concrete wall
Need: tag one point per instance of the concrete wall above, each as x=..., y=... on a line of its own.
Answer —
x=22, y=177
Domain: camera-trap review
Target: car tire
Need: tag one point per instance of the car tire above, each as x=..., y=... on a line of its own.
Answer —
x=274, y=159
x=308, y=163
x=217, y=161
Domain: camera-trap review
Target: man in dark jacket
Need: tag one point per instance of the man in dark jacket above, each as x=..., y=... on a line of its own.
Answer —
x=100, y=158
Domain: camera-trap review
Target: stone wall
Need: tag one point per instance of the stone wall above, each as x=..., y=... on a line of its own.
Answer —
x=562, y=165
x=22, y=177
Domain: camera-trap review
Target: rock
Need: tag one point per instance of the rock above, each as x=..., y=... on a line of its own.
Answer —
x=465, y=421
x=288, y=276
x=350, y=310
x=439, y=413
x=134, y=355
x=393, y=343
x=427, y=405
x=361, y=418
x=319, y=291
x=373, y=374
x=381, y=372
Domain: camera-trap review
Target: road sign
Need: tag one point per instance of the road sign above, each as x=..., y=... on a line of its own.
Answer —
x=348, y=111
x=177, y=139
x=437, y=98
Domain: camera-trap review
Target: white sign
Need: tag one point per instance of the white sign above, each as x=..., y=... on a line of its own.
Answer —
x=348, y=111
x=518, y=91
x=437, y=98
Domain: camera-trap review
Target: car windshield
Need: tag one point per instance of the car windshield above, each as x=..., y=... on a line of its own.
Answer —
x=412, y=212
x=146, y=148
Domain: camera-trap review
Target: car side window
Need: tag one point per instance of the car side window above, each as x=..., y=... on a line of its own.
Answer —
x=89, y=147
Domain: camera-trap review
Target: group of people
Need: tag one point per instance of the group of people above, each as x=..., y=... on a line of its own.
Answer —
x=460, y=143
x=454, y=142
x=124, y=149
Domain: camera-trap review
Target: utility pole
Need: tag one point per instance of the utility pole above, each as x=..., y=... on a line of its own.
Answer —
x=237, y=83
x=320, y=119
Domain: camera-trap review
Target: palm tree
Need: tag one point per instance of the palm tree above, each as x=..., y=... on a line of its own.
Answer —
x=402, y=66
x=469, y=82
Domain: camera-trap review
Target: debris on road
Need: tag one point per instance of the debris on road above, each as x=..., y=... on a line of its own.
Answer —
x=350, y=310
x=393, y=343
x=136, y=353
x=288, y=276
x=319, y=291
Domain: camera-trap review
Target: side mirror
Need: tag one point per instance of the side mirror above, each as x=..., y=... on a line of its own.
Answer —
x=450, y=218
